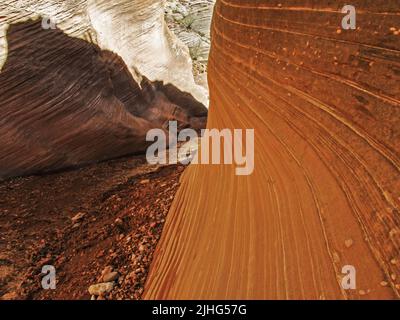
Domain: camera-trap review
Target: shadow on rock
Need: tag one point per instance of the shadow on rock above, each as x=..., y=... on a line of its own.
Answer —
x=65, y=102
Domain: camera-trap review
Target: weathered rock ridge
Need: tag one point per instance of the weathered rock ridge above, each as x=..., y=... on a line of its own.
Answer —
x=91, y=87
x=325, y=192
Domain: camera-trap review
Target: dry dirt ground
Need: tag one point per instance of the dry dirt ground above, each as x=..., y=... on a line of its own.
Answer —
x=99, y=221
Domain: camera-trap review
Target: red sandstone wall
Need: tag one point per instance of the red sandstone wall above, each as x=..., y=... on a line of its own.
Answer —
x=324, y=103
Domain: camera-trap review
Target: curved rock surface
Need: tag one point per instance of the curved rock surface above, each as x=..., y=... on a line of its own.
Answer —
x=83, y=81
x=325, y=193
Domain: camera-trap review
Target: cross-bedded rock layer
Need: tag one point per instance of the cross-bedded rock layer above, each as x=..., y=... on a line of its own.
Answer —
x=325, y=193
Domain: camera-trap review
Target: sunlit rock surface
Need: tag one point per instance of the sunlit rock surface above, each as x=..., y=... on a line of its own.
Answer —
x=136, y=30
x=325, y=193
x=190, y=20
x=83, y=81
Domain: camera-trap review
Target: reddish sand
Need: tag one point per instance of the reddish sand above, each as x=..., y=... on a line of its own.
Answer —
x=121, y=205
x=325, y=191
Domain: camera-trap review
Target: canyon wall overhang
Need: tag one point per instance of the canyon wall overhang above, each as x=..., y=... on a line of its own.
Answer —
x=325, y=193
x=84, y=81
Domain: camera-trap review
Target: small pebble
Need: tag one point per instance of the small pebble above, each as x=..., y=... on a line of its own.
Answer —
x=78, y=217
x=101, y=288
x=107, y=269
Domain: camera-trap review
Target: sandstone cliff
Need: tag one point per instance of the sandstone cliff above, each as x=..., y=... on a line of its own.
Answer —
x=325, y=193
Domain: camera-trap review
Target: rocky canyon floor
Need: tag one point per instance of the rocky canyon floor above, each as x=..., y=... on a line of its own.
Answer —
x=96, y=224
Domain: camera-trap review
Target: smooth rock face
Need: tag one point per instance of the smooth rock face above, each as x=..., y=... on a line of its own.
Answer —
x=325, y=107
x=66, y=101
x=109, y=277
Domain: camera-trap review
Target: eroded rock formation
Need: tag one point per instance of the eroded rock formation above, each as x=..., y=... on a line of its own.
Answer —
x=325, y=193
x=83, y=81
x=190, y=21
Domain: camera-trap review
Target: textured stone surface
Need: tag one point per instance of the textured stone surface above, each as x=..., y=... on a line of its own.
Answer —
x=91, y=88
x=190, y=20
x=135, y=30
x=324, y=103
